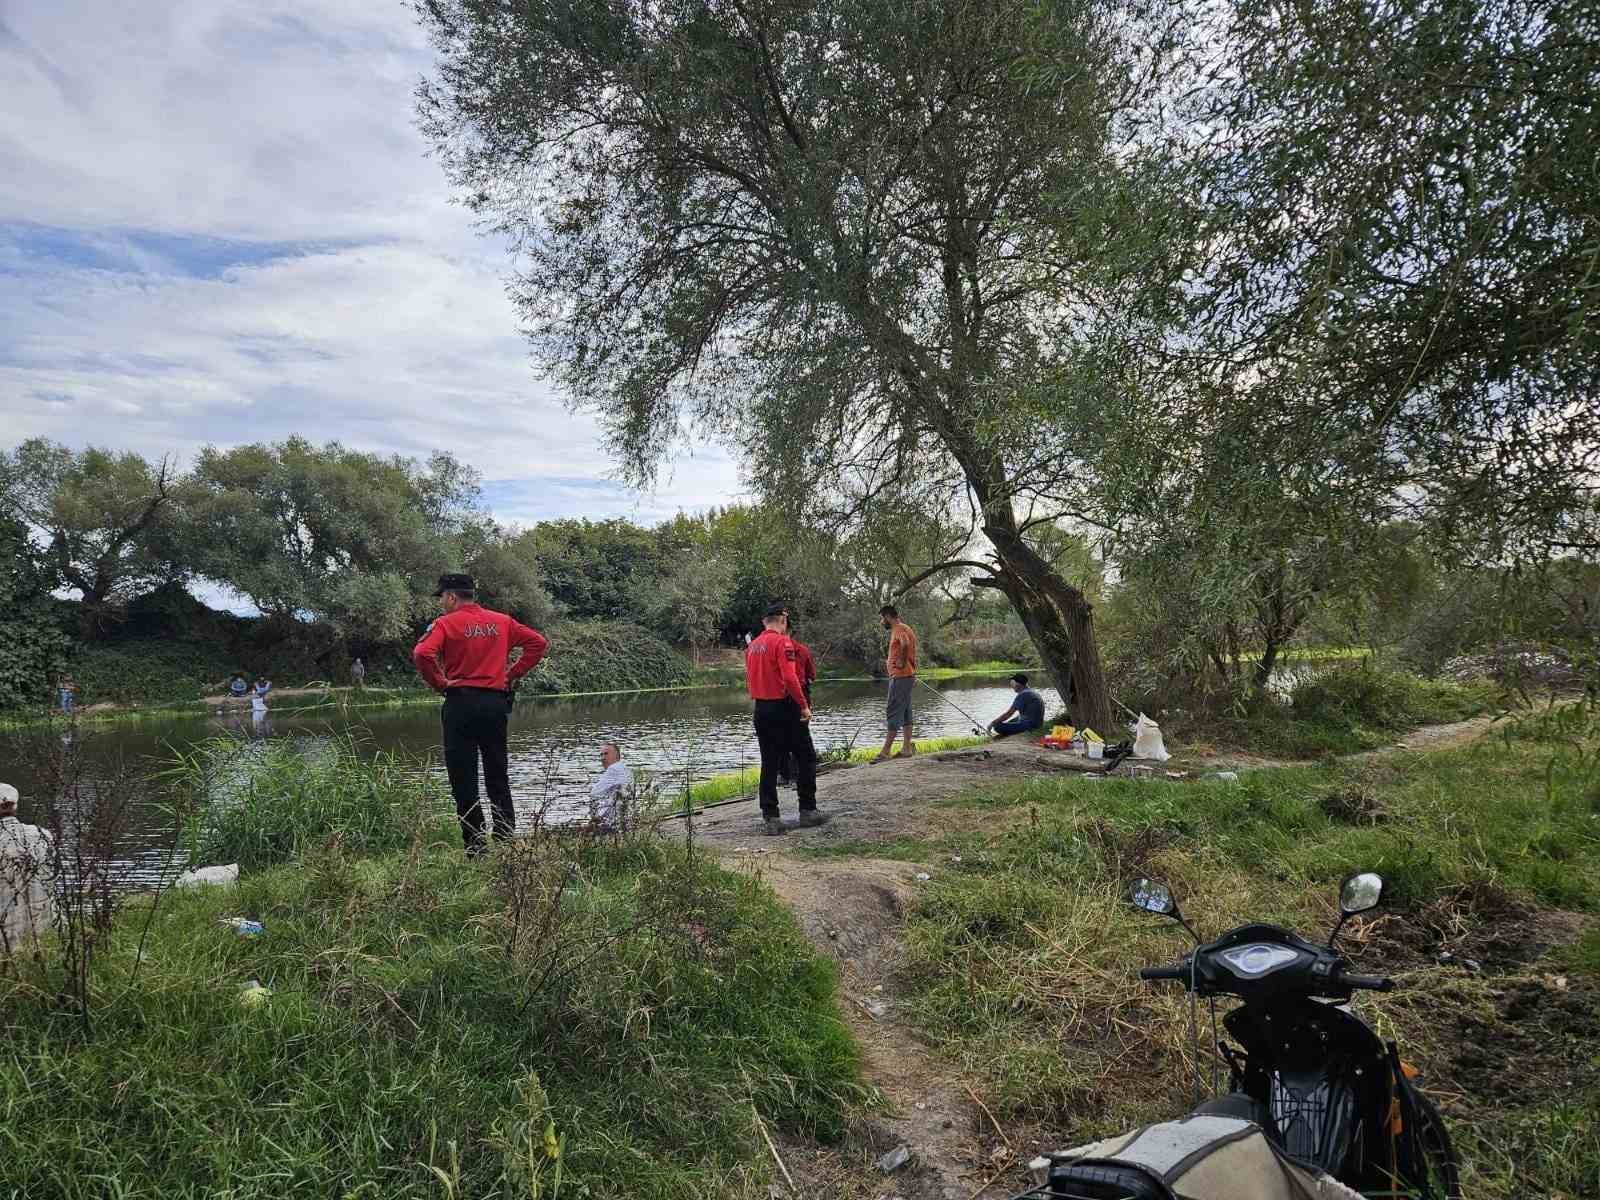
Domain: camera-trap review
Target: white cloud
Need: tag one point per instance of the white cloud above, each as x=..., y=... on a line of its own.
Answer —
x=361, y=307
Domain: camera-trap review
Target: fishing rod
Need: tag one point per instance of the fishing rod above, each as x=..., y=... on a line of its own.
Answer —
x=952, y=704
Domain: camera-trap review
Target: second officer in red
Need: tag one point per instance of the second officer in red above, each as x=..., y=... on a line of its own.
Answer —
x=783, y=713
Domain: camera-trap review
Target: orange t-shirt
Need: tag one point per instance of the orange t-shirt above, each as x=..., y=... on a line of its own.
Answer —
x=902, y=651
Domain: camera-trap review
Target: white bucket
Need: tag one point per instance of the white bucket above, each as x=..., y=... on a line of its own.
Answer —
x=1097, y=749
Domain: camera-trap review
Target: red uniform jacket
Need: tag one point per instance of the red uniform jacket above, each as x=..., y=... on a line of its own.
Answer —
x=771, y=669
x=473, y=644
x=805, y=666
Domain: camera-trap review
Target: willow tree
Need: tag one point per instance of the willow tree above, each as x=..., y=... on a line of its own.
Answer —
x=827, y=230
x=109, y=522
x=1404, y=255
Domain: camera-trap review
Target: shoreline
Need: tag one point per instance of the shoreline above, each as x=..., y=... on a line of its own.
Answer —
x=346, y=697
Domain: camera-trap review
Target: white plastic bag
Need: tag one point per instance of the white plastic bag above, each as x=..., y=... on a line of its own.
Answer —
x=1147, y=741
x=205, y=875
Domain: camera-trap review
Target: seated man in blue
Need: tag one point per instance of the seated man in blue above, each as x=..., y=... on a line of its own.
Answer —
x=1025, y=714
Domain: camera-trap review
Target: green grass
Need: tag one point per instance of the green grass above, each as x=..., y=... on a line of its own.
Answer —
x=1342, y=711
x=259, y=803
x=1021, y=961
x=406, y=1046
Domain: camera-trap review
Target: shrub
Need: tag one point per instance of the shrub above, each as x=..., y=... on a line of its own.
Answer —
x=1364, y=695
x=149, y=670
x=607, y=656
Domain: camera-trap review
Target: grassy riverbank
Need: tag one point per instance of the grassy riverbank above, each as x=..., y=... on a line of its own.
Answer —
x=1021, y=958
x=733, y=784
x=428, y=1021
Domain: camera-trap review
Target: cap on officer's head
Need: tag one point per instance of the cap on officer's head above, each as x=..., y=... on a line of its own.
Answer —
x=454, y=583
x=8, y=798
x=776, y=609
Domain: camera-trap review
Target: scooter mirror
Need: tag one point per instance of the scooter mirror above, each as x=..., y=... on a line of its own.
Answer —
x=1360, y=892
x=1152, y=897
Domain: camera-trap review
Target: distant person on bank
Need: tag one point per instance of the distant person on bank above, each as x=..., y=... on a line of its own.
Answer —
x=610, y=789
x=27, y=867
x=262, y=686
x=782, y=714
x=358, y=674
x=1025, y=714
x=464, y=655
x=902, y=666
x=68, y=692
x=238, y=686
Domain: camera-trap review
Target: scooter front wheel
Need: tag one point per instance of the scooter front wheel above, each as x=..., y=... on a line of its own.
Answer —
x=1439, y=1171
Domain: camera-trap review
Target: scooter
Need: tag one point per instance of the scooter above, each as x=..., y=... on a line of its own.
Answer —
x=1309, y=1079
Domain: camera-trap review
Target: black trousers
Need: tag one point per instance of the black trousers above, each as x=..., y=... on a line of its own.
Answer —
x=474, y=722
x=781, y=732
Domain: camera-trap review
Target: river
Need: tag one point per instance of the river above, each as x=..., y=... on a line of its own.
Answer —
x=554, y=745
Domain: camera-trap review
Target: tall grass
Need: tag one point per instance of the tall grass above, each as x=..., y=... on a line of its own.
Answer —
x=402, y=1052
x=260, y=803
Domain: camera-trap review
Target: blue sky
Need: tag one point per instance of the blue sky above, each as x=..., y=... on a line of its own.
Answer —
x=219, y=225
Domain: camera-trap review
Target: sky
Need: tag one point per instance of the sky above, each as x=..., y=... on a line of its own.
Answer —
x=218, y=224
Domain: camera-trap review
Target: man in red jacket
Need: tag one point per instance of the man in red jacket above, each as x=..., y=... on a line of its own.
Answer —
x=463, y=655
x=781, y=719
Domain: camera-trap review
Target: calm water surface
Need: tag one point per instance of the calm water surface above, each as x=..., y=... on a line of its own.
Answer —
x=554, y=745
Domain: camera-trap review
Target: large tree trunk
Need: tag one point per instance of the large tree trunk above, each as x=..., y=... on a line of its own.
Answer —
x=1060, y=621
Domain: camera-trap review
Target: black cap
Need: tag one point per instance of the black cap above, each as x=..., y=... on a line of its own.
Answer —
x=1019, y=677
x=455, y=583
x=776, y=609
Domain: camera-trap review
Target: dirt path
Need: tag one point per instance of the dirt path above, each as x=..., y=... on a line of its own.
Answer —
x=852, y=907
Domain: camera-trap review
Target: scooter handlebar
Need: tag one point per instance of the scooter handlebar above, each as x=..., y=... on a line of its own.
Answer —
x=1154, y=973
x=1371, y=983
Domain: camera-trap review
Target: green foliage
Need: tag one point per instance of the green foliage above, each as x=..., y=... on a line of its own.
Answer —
x=403, y=1043
x=607, y=656
x=110, y=521
x=260, y=803
x=1387, y=700
x=150, y=669
x=592, y=568
x=288, y=524
x=32, y=649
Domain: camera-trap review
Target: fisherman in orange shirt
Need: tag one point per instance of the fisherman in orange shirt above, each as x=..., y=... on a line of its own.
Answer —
x=902, y=664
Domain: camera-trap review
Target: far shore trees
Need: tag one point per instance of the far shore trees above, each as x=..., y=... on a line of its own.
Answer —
x=106, y=521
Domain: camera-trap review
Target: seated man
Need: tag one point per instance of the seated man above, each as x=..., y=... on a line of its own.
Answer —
x=27, y=866
x=1026, y=712
x=610, y=791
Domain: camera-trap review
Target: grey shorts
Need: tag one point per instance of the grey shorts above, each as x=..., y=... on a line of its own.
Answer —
x=900, y=701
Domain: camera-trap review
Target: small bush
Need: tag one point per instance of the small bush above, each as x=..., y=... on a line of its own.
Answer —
x=1387, y=699
x=607, y=656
